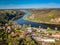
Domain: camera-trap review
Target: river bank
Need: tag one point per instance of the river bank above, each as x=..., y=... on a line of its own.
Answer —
x=30, y=18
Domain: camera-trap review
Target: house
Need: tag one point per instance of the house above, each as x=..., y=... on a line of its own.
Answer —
x=48, y=40
x=29, y=29
x=56, y=35
x=44, y=39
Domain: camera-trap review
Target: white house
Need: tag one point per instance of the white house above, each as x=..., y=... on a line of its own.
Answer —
x=29, y=29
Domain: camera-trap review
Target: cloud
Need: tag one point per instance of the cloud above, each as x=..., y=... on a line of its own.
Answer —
x=12, y=6
x=50, y=5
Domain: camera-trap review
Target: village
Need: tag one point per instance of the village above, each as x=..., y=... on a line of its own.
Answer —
x=40, y=35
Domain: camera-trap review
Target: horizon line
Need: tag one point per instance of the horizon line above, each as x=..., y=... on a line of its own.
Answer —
x=31, y=8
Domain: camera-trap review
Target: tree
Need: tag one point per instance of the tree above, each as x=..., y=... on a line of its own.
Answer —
x=51, y=15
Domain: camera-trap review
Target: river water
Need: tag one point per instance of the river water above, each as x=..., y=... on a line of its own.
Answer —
x=22, y=21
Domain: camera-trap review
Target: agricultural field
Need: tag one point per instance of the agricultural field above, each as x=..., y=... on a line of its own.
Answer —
x=49, y=16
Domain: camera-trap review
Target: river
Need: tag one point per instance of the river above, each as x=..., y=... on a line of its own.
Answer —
x=22, y=21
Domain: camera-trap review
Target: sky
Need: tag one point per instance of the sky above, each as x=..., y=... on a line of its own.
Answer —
x=17, y=4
